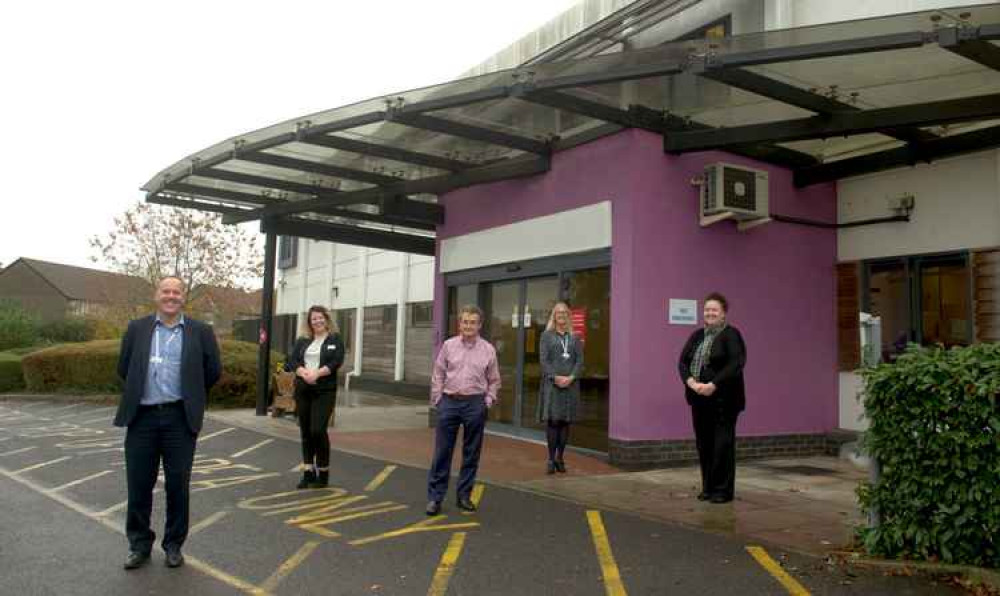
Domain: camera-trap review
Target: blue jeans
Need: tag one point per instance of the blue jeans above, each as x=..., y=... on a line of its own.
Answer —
x=469, y=412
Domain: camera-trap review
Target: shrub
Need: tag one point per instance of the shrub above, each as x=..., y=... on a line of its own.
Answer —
x=11, y=376
x=68, y=330
x=935, y=429
x=18, y=328
x=91, y=367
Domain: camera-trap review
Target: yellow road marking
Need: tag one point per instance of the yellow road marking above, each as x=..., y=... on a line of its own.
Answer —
x=63, y=408
x=112, y=509
x=439, y=585
x=289, y=566
x=41, y=465
x=81, y=481
x=215, y=434
x=208, y=521
x=16, y=451
x=427, y=525
x=251, y=448
x=794, y=588
x=2, y=439
x=613, y=585
x=477, y=496
x=209, y=570
x=378, y=480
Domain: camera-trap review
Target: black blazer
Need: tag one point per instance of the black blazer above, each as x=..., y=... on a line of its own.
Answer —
x=331, y=356
x=201, y=367
x=724, y=368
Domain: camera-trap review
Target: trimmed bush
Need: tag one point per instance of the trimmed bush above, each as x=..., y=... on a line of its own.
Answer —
x=935, y=429
x=18, y=328
x=11, y=376
x=66, y=331
x=90, y=368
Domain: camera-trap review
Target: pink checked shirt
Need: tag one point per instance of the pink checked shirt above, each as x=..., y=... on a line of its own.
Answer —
x=466, y=368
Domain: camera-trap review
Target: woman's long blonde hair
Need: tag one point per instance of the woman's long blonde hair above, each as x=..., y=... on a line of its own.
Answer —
x=552, y=317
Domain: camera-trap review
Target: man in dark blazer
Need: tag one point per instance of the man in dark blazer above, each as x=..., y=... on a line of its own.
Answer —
x=167, y=363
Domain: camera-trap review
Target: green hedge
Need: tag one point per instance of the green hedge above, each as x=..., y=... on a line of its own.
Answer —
x=90, y=367
x=935, y=429
x=11, y=376
x=18, y=328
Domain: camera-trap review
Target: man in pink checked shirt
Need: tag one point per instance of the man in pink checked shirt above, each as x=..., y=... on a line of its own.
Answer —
x=464, y=385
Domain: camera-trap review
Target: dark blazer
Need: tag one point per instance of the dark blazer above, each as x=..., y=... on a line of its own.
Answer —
x=724, y=368
x=331, y=356
x=201, y=367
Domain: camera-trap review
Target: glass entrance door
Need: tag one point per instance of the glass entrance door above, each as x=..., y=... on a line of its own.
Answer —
x=502, y=306
x=540, y=295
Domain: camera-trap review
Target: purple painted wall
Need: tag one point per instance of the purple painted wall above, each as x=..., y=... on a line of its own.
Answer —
x=779, y=279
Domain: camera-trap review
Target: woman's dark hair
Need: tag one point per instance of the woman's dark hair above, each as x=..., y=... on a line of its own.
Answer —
x=720, y=299
x=331, y=328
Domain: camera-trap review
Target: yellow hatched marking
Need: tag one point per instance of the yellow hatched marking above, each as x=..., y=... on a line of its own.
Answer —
x=432, y=524
x=794, y=588
x=378, y=480
x=289, y=566
x=81, y=481
x=215, y=434
x=613, y=585
x=41, y=465
x=230, y=580
x=446, y=568
x=208, y=521
x=477, y=496
x=251, y=448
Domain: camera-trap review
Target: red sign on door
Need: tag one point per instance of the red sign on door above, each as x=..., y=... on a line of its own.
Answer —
x=578, y=316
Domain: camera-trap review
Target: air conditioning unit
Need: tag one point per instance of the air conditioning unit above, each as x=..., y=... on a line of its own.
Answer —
x=733, y=192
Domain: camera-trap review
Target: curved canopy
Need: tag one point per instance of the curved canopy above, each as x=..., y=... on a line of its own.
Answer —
x=827, y=102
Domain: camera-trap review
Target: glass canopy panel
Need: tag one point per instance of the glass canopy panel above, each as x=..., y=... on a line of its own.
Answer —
x=840, y=147
x=415, y=139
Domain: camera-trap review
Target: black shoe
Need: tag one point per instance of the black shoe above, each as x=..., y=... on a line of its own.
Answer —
x=174, y=558
x=550, y=468
x=560, y=466
x=466, y=504
x=703, y=496
x=433, y=507
x=135, y=560
x=322, y=480
x=717, y=499
x=308, y=477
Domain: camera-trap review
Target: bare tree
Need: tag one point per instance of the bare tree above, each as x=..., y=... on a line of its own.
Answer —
x=152, y=241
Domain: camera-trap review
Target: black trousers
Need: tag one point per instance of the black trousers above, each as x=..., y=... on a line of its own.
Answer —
x=158, y=433
x=314, y=405
x=715, y=436
x=469, y=412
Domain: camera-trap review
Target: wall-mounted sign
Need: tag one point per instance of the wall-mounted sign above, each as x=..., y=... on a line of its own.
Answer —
x=578, y=316
x=683, y=312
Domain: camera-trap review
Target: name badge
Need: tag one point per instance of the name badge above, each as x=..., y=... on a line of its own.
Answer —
x=331, y=347
x=566, y=355
x=155, y=360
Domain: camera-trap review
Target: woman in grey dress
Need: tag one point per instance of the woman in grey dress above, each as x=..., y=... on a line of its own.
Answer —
x=561, y=359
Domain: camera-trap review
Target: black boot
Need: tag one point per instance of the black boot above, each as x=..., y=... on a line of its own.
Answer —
x=322, y=479
x=308, y=477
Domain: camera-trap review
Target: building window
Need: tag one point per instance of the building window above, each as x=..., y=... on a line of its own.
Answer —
x=422, y=314
x=288, y=251
x=925, y=300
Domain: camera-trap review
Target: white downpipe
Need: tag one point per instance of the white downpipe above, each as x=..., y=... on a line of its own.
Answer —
x=404, y=289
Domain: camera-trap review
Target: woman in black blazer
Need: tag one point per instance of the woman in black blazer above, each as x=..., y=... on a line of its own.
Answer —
x=315, y=360
x=711, y=368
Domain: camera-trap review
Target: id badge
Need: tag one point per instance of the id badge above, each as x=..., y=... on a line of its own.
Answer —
x=155, y=360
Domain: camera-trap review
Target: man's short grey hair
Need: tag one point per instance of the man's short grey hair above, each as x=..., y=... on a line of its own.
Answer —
x=471, y=309
x=166, y=277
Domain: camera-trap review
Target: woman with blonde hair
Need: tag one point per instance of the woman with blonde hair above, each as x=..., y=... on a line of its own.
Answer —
x=561, y=359
x=315, y=360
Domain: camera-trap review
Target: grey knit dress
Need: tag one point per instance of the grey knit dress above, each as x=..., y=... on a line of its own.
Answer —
x=557, y=403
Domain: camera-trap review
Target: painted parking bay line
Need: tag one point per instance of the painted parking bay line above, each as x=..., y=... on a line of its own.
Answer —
x=771, y=566
x=289, y=565
x=81, y=481
x=613, y=585
x=41, y=465
x=446, y=568
x=17, y=451
x=378, y=480
x=215, y=434
x=251, y=448
x=477, y=496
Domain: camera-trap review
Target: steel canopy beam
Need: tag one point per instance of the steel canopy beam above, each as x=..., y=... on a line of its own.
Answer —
x=332, y=232
x=966, y=42
x=315, y=167
x=825, y=49
x=467, y=131
x=800, y=98
x=982, y=107
x=254, y=180
x=191, y=204
x=386, y=152
x=219, y=194
x=512, y=168
x=940, y=148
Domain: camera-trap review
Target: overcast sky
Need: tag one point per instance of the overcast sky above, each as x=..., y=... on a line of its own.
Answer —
x=99, y=96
